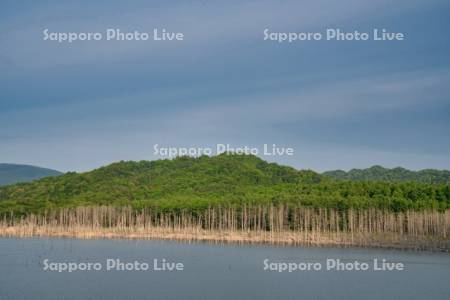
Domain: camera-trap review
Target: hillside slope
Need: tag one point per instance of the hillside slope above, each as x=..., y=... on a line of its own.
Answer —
x=13, y=173
x=196, y=183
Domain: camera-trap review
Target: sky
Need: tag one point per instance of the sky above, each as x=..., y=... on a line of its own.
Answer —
x=339, y=104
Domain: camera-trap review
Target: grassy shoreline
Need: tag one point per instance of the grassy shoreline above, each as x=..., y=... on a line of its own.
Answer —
x=287, y=238
x=276, y=225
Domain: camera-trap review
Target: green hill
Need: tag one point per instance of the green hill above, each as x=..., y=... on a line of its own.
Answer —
x=13, y=173
x=378, y=173
x=196, y=183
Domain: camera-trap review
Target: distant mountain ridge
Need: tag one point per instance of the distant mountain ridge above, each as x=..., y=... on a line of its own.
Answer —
x=14, y=173
x=17, y=173
x=379, y=173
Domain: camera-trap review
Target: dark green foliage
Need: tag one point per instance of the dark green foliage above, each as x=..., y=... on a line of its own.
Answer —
x=378, y=173
x=197, y=183
x=13, y=173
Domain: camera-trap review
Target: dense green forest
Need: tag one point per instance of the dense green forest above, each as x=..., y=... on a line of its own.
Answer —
x=378, y=173
x=13, y=173
x=198, y=183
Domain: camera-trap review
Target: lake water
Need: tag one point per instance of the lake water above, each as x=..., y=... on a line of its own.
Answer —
x=212, y=272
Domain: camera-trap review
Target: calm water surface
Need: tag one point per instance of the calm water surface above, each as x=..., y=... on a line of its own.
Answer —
x=212, y=272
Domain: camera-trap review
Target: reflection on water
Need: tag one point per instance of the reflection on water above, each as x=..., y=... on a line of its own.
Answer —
x=212, y=272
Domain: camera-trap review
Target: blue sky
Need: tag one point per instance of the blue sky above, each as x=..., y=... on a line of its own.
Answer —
x=339, y=104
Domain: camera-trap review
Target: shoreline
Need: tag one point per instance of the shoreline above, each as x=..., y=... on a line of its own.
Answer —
x=254, y=237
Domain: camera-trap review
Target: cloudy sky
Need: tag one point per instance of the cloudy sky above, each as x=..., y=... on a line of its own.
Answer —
x=353, y=104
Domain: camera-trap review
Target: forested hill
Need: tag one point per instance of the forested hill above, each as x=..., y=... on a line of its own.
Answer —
x=197, y=183
x=378, y=173
x=13, y=173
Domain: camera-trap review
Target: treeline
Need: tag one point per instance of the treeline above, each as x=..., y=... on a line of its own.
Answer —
x=196, y=184
x=378, y=173
x=251, y=218
x=272, y=224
